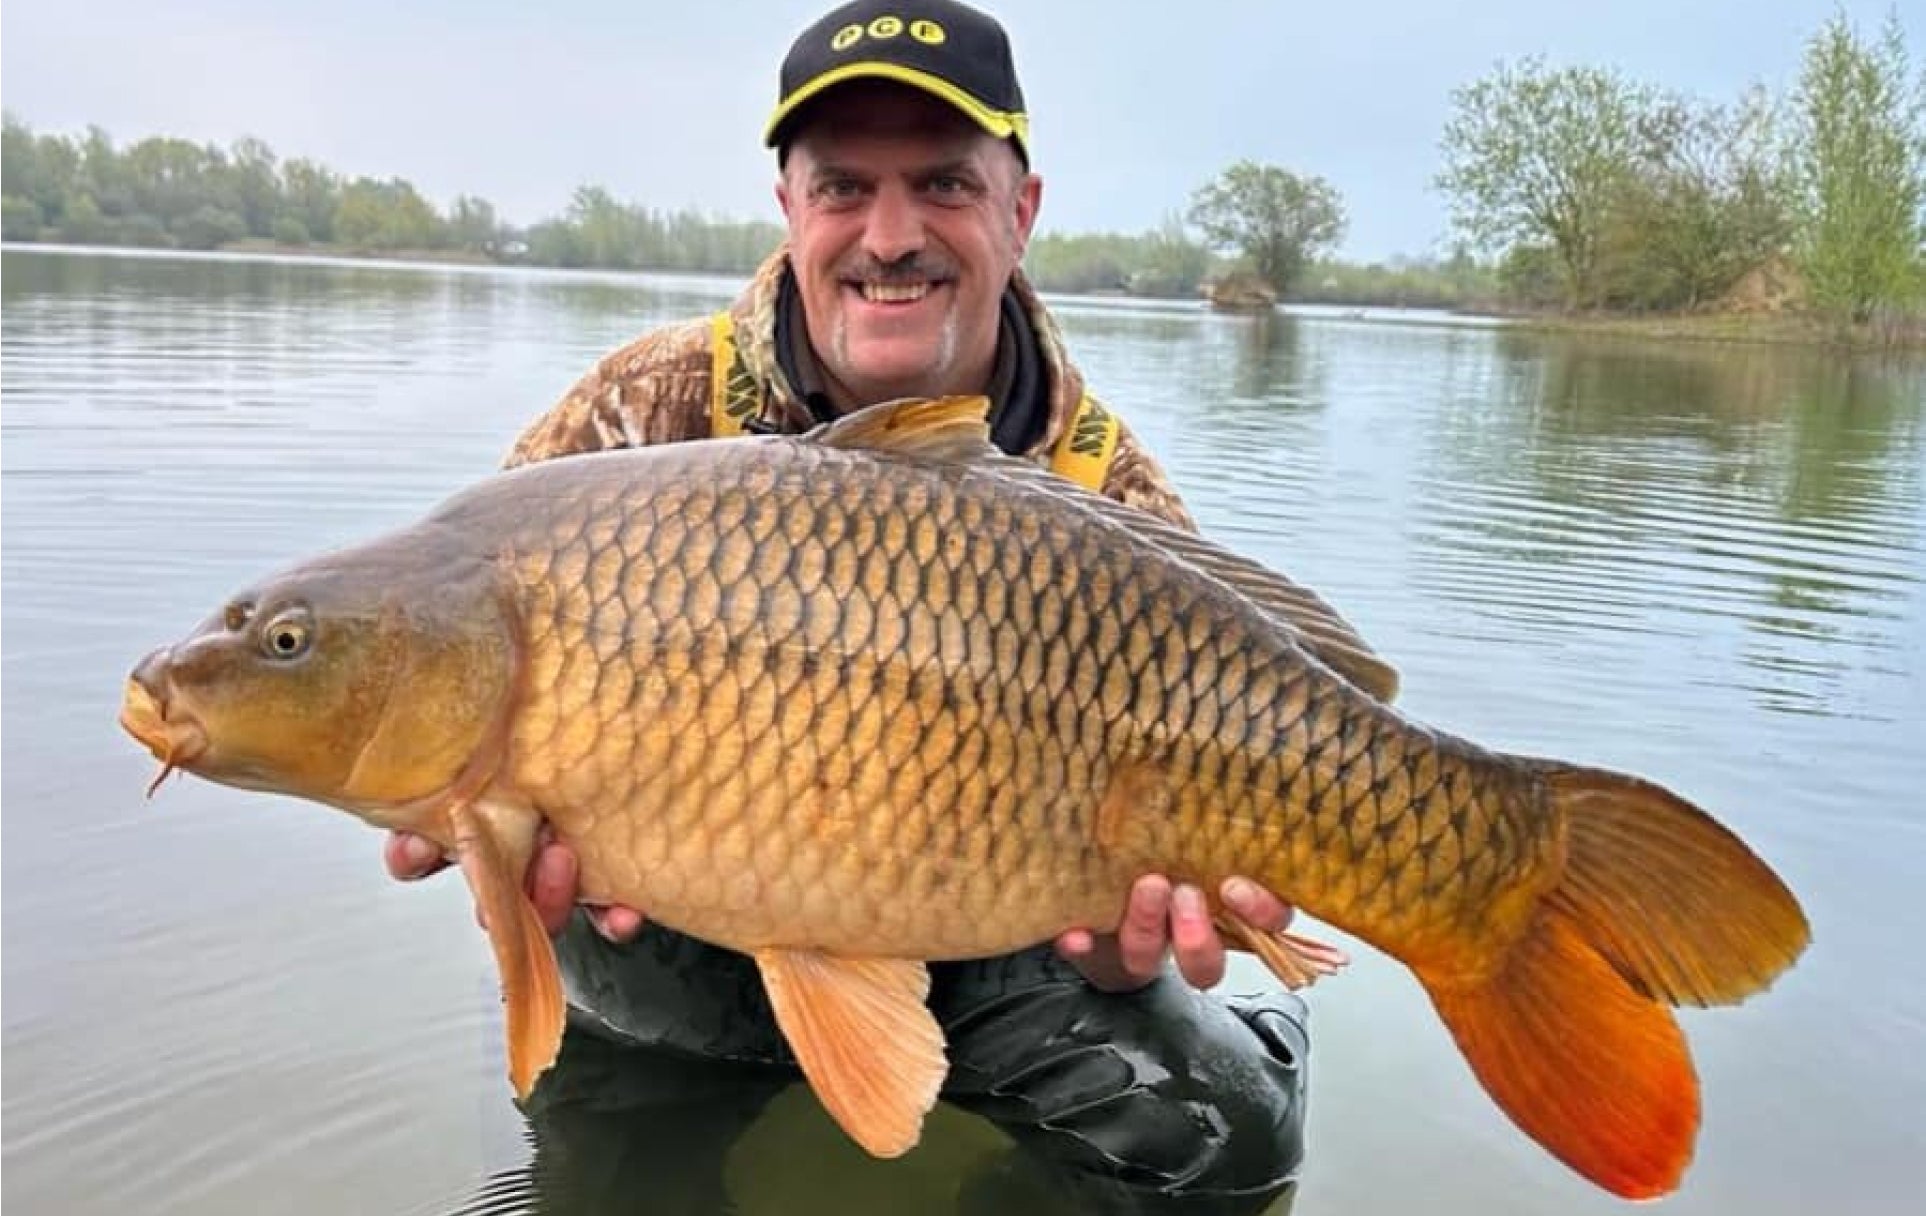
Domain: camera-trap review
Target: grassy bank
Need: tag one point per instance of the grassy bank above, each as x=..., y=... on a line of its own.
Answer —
x=457, y=257
x=1777, y=329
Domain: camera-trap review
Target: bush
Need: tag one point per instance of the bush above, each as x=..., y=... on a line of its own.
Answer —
x=210, y=227
x=142, y=229
x=1532, y=275
x=20, y=218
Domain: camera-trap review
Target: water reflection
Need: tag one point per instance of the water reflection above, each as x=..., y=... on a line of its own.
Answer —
x=619, y=1130
x=1646, y=487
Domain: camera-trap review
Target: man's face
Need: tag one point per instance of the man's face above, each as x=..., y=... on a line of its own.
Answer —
x=906, y=222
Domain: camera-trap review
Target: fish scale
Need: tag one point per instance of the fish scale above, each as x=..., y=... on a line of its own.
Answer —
x=1043, y=683
x=880, y=695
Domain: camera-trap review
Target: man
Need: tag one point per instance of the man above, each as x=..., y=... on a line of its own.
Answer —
x=904, y=178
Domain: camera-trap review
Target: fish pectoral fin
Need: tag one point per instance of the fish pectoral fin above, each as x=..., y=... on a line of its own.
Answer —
x=1297, y=961
x=494, y=857
x=865, y=1039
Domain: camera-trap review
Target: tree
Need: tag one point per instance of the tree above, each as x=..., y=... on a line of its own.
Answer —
x=472, y=224
x=607, y=233
x=309, y=195
x=1277, y=220
x=1173, y=263
x=255, y=181
x=1858, y=162
x=1705, y=209
x=386, y=215
x=168, y=179
x=210, y=227
x=1537, y=157
x=20, y=218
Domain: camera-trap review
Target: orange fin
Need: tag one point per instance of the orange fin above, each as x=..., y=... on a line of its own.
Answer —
x=1297, y=962
x=1673, y=900
x=494, y=857
x=865, y=1039
x=1587, y=1067
x=1658, y=905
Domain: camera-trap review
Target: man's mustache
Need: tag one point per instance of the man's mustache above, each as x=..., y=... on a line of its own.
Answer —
x=910, y=268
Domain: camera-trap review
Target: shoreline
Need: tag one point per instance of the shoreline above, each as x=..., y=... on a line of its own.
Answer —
x=1742, y=328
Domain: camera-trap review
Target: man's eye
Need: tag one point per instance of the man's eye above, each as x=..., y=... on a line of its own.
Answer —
x=950, y=190
x=839, y=190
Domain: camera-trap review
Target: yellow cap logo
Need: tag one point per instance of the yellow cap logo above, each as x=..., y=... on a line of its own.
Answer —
x=927, y=32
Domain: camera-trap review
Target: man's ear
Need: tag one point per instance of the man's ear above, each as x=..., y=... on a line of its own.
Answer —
x=1029, y=200
x=782, y=194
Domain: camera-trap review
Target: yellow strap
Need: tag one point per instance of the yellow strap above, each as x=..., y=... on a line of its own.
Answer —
x=734, y=397
x=1087, y=446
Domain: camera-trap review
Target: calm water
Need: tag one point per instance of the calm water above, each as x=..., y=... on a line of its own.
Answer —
x=1704, y=564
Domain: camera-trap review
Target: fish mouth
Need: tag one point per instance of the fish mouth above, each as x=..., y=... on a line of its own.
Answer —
x=174, y=737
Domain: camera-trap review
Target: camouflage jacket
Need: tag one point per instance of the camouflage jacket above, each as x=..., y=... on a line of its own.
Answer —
x=656, y=389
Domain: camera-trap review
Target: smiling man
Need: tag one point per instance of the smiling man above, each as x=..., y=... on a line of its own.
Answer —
x=903, y=150
x=905, y=229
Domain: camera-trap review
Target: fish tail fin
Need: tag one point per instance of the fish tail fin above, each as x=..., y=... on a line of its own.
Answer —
x=1570, y=1031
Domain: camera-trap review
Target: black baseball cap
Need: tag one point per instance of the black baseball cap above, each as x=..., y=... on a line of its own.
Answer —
x=948, y=50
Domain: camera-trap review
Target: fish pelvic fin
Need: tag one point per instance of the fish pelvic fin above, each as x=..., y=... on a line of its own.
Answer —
x=494, y=845
x=1296, y=961
x=865, y=1039
x=1658, y=905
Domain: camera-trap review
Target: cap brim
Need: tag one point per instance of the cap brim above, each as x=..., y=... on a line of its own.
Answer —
x=1003, y=124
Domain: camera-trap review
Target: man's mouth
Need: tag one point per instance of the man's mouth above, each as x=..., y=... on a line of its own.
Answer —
x=894, y=293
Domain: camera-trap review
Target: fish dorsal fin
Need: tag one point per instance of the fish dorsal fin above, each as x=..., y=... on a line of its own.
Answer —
x=957, y=429
x=943, y=428
x=1316, y=626
x=865, y=1039
x=1319, y=627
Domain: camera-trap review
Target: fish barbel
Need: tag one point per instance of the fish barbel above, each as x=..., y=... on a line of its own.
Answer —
x=879, y=695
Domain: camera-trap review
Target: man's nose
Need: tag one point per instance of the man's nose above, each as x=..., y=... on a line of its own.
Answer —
x=895, y=228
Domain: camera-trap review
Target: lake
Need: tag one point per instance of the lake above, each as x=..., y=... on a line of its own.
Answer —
x=1702, y=563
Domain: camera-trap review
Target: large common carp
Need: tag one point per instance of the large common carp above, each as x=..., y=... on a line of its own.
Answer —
x=880, y=695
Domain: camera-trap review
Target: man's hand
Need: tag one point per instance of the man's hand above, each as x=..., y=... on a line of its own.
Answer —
x=551, y=882
x=1160, y=918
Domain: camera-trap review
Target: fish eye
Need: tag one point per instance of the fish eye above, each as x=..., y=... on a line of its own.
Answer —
x=286, y=638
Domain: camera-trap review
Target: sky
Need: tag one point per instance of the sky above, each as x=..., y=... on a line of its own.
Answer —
x=1133, y=105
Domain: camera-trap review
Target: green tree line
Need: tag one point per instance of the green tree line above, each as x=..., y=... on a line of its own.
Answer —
x=172, y=193
x=1573, y=187
x=1589, y=190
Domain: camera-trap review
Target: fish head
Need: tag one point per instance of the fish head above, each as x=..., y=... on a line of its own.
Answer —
x=366, y=680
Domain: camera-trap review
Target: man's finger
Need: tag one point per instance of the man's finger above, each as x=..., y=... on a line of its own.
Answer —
x=409, y=857
x=551, y=885
x=1256, y=905
x=1145, y=933
x=618, y=923
x=1199, y=951
x=1076, y=944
